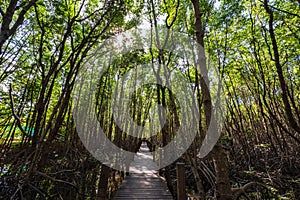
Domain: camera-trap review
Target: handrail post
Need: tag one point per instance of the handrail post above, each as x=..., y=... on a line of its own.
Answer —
x=153, y=151
x=180, y=172
x=129, y=159
x=160, y=155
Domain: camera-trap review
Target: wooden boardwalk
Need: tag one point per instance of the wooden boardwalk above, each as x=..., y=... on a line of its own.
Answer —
x=143, y=181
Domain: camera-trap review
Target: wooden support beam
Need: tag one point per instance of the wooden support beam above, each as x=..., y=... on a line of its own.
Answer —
x=153, y=151
x=180, y=172
x=160, y=158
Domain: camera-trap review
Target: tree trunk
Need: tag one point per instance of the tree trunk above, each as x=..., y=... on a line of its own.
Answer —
x=220, y=162
x=224, y=191
x=103, y=183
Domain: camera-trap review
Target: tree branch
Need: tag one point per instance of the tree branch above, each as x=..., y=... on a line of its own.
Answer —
x=13, y=111
x=20, y=18
x=55, y=180
x=284, y=11
x=243, y=190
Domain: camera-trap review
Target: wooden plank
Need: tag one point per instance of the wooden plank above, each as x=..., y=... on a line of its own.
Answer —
x=143, y=181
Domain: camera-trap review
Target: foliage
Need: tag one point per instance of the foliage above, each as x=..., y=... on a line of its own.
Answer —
x=43, y=45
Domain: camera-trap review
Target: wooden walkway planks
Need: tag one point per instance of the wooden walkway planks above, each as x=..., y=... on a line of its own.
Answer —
x=143, y=181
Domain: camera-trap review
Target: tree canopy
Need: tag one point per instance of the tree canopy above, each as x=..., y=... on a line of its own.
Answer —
x=251, y=47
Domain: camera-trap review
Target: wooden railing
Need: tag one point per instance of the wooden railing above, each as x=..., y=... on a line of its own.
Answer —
x=180, y=173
